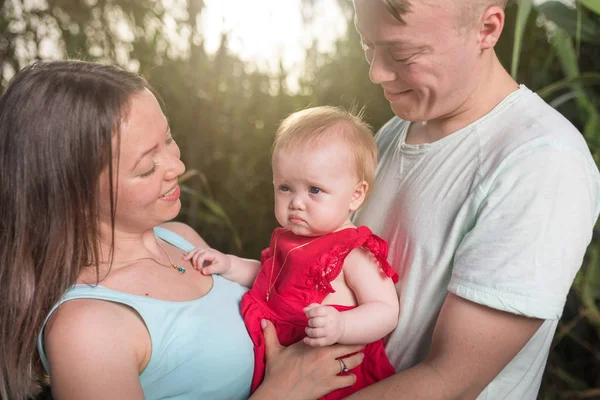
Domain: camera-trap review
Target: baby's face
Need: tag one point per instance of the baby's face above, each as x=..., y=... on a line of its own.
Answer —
x=315, y=187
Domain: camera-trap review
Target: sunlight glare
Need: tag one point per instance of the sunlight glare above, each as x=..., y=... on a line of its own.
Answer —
x=267, y=31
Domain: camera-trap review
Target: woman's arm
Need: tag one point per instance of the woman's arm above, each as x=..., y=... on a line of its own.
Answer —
x=375, y=316
x=301, y=372
x=96, y=350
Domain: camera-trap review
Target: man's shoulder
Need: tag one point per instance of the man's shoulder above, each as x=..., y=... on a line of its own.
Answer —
x=527, y=120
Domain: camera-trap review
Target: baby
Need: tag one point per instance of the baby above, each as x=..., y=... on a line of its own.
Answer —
x=322, y=279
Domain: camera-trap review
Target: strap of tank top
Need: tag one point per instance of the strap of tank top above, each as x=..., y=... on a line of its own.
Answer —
x=105, y=294
x=173, y=238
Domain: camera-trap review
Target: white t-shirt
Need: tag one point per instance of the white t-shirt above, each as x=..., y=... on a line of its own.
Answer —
x=499, y=212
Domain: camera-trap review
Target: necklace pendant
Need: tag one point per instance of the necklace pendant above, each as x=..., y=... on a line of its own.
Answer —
x=179, y=269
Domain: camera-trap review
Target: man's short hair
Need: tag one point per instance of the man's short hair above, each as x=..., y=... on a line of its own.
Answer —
x=399, y=8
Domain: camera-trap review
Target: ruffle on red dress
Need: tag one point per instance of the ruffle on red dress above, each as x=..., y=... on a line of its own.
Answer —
x=306, y=278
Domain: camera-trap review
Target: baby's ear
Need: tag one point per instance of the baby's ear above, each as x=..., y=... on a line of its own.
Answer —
x=359, y=194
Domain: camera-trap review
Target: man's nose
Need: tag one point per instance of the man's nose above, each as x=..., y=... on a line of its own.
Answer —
x=380, y=71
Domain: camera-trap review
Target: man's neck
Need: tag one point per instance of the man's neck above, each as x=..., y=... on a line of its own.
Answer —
x=492, y=88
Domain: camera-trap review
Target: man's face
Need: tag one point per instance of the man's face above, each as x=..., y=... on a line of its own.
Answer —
x=426, y=67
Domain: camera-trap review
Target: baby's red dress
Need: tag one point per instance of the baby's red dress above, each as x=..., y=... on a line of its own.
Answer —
x=304, y=279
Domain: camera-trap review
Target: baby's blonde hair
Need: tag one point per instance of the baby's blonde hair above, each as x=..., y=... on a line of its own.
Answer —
x=310, y=125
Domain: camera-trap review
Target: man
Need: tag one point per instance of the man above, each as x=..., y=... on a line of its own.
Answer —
x=487, y=197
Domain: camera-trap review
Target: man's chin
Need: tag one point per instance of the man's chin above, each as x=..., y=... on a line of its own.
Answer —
x=406, y=113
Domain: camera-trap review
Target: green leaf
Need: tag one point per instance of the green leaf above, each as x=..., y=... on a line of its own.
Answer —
x=522, y=16
x=570, y=66
x=212, y=205
x=586, y=79
x=592, y=130
x=566, y=18
x=591, y=285
x=593, y=5
x=566, y=53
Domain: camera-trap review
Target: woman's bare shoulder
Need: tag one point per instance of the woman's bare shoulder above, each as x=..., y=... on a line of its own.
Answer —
x=187, y=232
x=82, y=320
x=94, y=341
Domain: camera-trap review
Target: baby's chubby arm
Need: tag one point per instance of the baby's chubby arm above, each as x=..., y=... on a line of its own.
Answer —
x=375, y=316
x=210, y=261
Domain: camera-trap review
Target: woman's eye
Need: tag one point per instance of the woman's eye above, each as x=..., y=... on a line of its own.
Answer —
x=314, y=190
x=147, y=174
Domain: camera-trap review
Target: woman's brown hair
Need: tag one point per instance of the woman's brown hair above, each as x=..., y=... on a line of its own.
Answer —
x=57, y=121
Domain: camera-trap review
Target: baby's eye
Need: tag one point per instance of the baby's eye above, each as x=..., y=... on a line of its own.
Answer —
x=284, y=188
x=314, y=190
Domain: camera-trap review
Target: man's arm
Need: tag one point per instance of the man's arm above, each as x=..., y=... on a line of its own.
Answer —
x=471, y=344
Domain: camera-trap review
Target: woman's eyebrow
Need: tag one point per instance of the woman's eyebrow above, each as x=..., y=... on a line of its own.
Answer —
x=150, y=150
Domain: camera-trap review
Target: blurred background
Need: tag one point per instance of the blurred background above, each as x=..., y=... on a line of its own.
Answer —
x=229, y=70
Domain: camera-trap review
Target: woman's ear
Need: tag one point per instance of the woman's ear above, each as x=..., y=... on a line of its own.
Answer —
x=359, y=195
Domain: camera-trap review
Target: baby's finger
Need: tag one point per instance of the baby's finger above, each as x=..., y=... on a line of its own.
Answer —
x=208, y=270
x=320, y=311
x=196, y=260
x=190, y=254
x=317, y=322
x=311, y=306
x=316, y=332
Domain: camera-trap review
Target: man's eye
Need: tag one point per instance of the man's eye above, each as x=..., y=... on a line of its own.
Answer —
x=401, y=60
x=314, y=190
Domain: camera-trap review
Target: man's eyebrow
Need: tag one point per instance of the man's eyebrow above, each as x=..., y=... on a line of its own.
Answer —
x=150, y=150
x=380, y=42
x=393, y=42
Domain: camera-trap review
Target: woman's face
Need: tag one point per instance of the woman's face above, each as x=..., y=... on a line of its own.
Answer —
x=146, y=169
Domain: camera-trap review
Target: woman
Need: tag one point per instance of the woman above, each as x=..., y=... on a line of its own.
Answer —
x=91, y=271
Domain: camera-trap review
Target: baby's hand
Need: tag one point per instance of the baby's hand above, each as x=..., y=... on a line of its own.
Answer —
x=325, y=325
x=209, y=261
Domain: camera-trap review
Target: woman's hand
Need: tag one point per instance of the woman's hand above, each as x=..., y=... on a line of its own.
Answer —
x=301, y=372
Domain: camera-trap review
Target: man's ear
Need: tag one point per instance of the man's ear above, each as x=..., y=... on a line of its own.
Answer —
x=490, y=27
x=359, y=195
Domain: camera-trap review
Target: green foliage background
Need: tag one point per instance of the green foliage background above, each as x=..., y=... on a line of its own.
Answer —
x=224, y=113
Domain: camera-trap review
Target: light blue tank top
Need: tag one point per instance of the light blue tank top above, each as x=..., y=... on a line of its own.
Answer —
x=200, y=348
